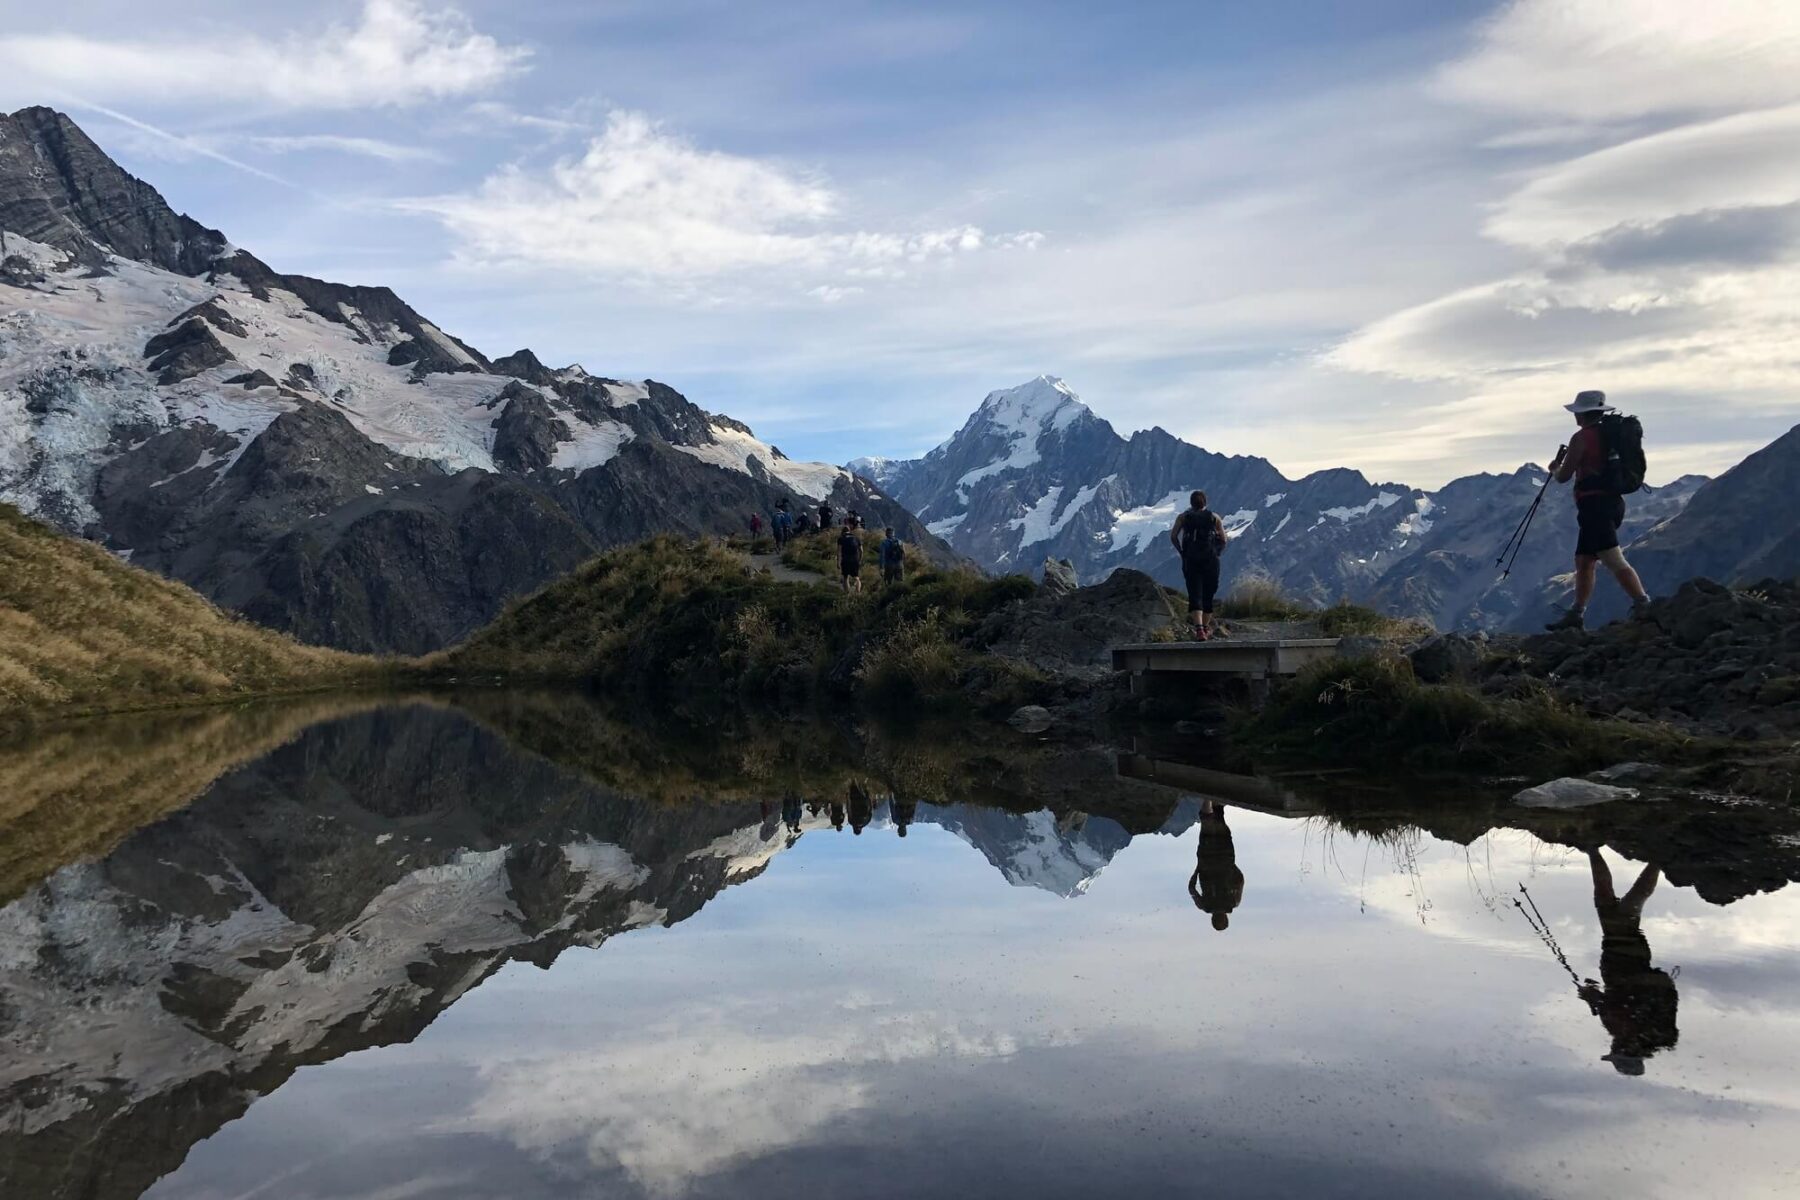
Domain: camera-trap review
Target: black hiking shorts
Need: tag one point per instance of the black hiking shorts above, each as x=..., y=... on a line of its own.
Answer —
x=1597, y=521
x=1201, y=574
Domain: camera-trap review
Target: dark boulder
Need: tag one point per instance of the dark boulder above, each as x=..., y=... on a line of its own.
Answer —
x=185, y=351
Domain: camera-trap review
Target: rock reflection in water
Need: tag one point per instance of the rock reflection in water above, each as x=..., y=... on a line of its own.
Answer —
x=411, y=867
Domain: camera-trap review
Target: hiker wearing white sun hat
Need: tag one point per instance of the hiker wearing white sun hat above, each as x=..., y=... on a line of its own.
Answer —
x=1604, y=468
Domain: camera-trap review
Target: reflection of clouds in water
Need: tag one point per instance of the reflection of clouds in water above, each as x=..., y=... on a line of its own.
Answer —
x=682, y=1102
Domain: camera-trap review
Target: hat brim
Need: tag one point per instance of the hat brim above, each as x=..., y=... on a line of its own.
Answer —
x=1587, y=408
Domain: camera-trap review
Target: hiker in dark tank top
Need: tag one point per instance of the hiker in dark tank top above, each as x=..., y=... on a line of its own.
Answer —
x=1199, y=537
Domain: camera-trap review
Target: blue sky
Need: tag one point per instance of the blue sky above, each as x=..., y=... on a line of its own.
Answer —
x=1388, y=235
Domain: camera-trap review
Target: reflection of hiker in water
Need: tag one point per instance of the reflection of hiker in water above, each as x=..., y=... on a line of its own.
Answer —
x=790, y=813
x=837, y=816
x=903, y=812
x=1217, y=885
x=862, y=809
x=1634, y=1000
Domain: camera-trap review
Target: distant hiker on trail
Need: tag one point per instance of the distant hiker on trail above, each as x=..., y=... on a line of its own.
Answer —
x=782, y=525
x=850, y=560
x=1634, y=1000
x=824, y=514
x=862, y=809
x=904, y=812
x=893, y=557
x=853, y=520
x=805, y=523
x=755, y=526
x=1217, y=886
x=1199, y=537
x=1605, y=459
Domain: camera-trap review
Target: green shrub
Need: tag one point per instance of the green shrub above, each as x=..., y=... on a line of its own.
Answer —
x=1374, y=713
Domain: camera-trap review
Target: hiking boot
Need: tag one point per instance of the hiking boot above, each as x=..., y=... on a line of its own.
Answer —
x=1569, y=620
x=1640, y=610
x=1200, y=634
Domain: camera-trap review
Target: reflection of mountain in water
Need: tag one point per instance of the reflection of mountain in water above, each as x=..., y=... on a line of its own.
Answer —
x=1060, y=854
x=339, y=894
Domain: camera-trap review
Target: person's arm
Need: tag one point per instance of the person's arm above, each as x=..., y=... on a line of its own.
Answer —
x=1224, y=537
x=1175, y=532
x=1563, y=466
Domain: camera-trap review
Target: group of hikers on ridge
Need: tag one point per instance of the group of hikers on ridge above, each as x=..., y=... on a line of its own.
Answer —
x=785, y=527
x=1604, y=459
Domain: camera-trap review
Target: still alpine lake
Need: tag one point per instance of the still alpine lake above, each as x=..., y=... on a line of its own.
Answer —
x=523, y=946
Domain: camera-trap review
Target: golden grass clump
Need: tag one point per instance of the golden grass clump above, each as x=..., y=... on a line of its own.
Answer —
x=81, y=631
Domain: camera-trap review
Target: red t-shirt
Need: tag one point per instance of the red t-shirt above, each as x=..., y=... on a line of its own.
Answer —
x=1587, y=450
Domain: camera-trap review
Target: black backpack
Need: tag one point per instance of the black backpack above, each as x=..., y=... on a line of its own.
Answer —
x=1623, y=438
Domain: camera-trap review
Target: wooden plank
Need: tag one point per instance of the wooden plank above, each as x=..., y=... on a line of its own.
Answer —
x=1268, y=657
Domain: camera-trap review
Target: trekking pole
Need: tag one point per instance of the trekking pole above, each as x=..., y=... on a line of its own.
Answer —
x=1517, y=540
x=1541, y=927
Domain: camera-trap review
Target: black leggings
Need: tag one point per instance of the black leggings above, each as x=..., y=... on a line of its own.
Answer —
x=1201, y=574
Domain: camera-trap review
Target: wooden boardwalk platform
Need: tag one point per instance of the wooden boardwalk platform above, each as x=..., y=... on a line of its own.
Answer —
x=1254, y=659
x=1241, y=791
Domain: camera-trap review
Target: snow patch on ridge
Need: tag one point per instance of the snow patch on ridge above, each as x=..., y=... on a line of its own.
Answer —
x=734, y=450
x=1040, y=523
x=948, y=525
x=1140, y=526
x=594, y=445
x=1381, y=500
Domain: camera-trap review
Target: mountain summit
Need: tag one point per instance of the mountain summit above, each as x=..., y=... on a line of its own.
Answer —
x=317, y=456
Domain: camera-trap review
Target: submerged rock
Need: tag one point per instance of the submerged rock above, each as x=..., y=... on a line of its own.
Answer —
x=1031, y=718
x=1572, y=793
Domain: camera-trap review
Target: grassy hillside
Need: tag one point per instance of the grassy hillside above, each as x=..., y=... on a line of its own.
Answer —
x=81, y=631
x=692, y=621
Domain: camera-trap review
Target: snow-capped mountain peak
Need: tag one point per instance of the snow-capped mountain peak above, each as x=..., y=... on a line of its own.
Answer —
x=1031, y=408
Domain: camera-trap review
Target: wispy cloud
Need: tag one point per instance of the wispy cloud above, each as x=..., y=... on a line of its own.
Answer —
x=332, y=143
x=644, y=203
x=399, y=53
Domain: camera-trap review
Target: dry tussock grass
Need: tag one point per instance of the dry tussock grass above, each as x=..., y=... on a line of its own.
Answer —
x=81, y=631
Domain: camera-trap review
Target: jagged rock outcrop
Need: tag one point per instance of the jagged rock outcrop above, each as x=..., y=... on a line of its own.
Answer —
x=1709, y=659
x=59, y=189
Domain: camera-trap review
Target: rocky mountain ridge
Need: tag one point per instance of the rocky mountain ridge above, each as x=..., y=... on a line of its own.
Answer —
x=1035, y=474
x=320, y=456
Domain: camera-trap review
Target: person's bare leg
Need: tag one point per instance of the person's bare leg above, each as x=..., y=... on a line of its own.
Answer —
x=1603, y=884
x=1197, y=620
x=1623, y=572
x=1633, y=900
x=1585, y=565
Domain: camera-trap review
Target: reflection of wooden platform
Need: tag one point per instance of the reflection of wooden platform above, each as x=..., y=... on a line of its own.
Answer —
x=1242, y=791
x=1255, y=660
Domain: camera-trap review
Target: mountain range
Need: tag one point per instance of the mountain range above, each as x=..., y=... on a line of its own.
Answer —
x=1035, y=474
x=319, y=456
x=324, y=460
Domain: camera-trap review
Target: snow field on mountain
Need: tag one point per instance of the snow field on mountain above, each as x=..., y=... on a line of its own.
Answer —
x=1041, y=522
x=1138, y=527
x=733, y=450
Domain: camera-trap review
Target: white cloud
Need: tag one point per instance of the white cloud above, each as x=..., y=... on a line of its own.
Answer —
x=1664, y=267
x=1743, y=160
x=400, y=53
x=1611, y=59
x=364, y=147
x=642, y=202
